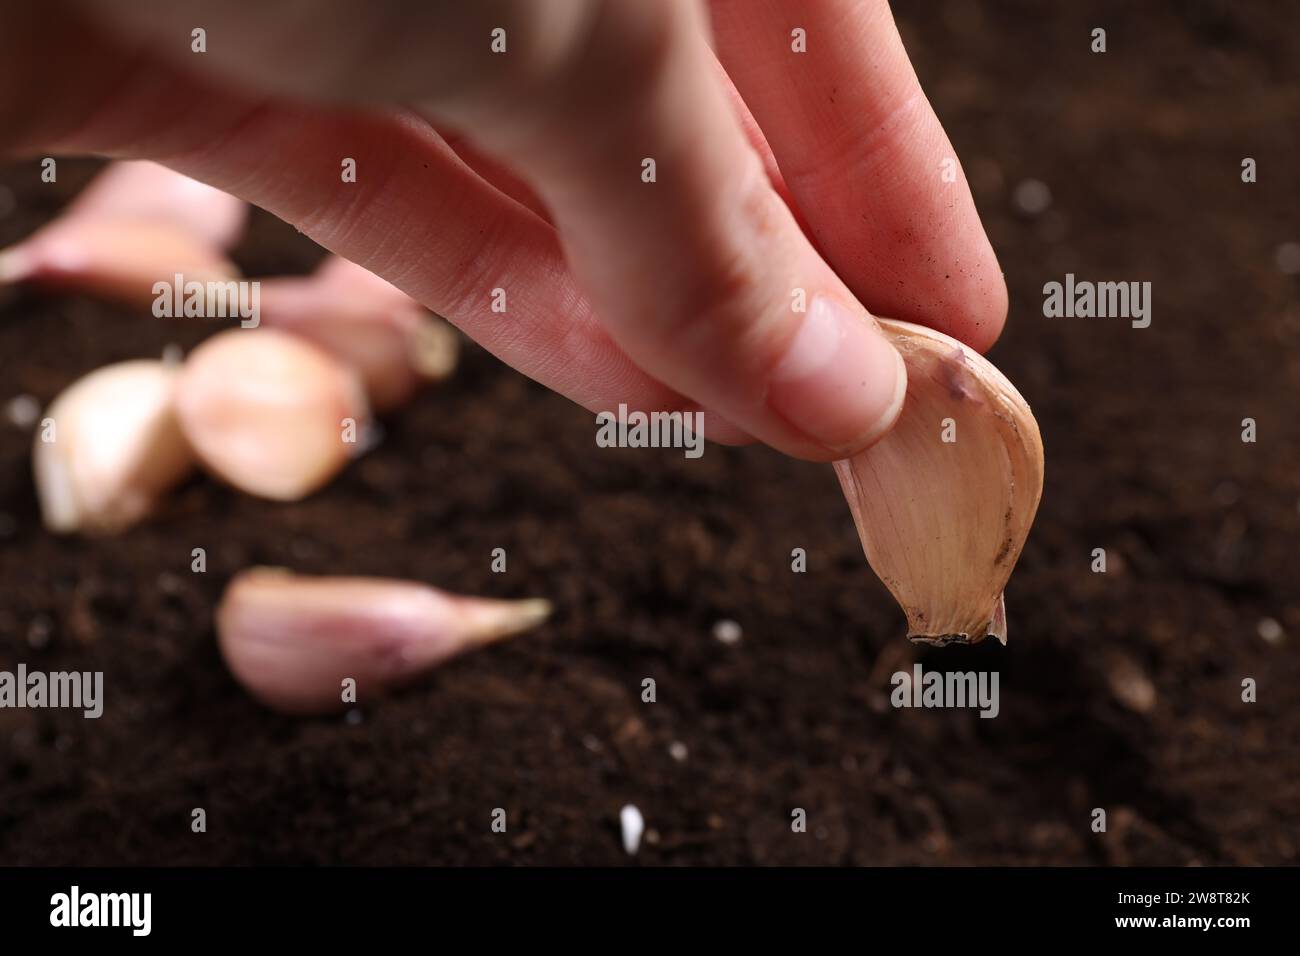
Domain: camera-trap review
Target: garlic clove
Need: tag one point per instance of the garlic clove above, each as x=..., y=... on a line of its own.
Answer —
x=108, y=447
x=395, y=344
x=292, y=640
x=112, y=259
x=269, y=413
x=345, y=277
x=434, y=348
x=944, y=502
x=143, y=191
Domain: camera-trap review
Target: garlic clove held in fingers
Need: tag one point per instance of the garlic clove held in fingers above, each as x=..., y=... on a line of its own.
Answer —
x=944, y=502
x=295, y=641
x=269, y=413
x=108, y=447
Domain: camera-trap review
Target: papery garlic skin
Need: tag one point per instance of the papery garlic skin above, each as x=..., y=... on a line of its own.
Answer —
x=117, y=448
x=292, y=640
x=943, y=523
x=271, y=414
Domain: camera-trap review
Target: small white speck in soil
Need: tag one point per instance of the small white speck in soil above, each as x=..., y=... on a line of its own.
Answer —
x=727, y=632
x=633, y=825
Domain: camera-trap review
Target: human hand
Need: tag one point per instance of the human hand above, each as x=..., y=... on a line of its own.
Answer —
x=523, y=171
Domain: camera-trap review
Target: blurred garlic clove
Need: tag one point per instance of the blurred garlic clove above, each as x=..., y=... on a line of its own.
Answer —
x=143, y=191
x=292, y=640
x=396, y=352
x=944, y=502
x=108, y=448
x=428, y=342
x=271, y=414
x=394, y=343
x=112, y=259
x=345, y=277
x=434, y=348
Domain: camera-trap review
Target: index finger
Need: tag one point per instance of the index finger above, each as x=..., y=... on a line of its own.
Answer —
x=866, y=159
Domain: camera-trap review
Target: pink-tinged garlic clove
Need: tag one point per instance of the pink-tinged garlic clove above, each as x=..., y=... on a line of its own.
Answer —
x=345, y=277
x=142, y=191
x=121, y=261
x=394, y=343
x=317, y=645
x=944, y=502
x=271, y=414
x=108, y=448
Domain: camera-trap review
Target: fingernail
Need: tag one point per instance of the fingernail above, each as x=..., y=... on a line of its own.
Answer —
x=840, y=382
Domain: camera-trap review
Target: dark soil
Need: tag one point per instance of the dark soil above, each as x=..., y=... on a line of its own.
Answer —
x=643, y=551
